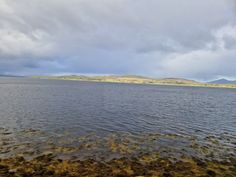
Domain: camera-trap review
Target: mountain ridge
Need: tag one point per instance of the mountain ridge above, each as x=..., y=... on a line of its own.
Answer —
x=222, y=81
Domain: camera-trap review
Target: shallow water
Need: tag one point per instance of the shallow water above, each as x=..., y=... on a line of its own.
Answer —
x=74, y=119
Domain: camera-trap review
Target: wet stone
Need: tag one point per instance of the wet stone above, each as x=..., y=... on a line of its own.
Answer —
x=211, y=173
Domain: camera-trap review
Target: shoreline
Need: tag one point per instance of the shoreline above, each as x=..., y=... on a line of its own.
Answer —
x=119, y=155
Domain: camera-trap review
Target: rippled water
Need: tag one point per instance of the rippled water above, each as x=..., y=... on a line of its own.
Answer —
x=75, y=109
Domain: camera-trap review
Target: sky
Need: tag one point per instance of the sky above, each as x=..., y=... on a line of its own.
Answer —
x=193, y=39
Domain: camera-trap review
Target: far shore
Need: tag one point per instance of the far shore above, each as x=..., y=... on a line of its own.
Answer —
x=138, y=80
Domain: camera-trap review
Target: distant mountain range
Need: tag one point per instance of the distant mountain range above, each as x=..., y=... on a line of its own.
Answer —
x=222, y=81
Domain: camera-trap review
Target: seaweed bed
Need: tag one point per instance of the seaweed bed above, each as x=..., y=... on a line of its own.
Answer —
x=46, y=165
x=23, y=155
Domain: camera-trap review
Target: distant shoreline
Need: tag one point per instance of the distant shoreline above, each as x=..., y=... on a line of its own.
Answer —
x=138, y=80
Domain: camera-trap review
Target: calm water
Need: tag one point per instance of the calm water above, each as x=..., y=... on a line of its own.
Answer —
x=79, y=108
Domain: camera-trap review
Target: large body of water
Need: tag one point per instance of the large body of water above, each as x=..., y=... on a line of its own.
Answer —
x=74, y=109
x=84, y=107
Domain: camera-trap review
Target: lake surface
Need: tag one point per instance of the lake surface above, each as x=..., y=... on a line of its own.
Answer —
x=63, y=111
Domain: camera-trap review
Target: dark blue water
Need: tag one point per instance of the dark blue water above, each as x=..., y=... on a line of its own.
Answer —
x=83, y=107
x=63, y=111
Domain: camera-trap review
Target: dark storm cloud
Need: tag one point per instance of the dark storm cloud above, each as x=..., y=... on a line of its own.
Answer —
x=184, y=38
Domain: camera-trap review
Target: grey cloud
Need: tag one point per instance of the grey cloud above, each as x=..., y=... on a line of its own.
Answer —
x=154, y=37
x=230, y=43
